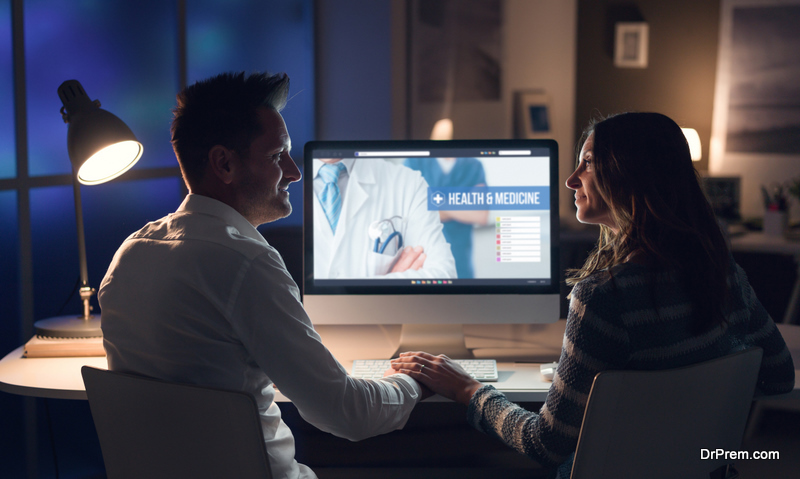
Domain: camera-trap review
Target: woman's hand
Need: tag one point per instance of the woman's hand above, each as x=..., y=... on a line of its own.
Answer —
x=439, y=373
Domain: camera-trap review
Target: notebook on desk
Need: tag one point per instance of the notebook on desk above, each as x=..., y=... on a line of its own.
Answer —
x=46, y=347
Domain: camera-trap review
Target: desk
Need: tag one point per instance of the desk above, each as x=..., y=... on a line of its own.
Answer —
x=57, y=378
x=60, y=378
x=519, y=380
x=754, y=242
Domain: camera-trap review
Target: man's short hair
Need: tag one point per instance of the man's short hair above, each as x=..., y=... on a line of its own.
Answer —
x=222, y=110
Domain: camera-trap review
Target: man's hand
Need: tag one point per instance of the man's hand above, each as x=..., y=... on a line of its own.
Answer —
x=439, y=373
x=411, y=258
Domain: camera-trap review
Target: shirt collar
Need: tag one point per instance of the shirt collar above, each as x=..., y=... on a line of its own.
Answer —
x=194, y=203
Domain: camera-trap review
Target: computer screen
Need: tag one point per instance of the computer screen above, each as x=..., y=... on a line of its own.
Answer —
x=431, y=233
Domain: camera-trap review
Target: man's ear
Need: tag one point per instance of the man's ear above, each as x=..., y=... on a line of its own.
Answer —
x=221, y=163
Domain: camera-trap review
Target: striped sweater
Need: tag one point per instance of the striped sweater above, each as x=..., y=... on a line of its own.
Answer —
x=625, y=323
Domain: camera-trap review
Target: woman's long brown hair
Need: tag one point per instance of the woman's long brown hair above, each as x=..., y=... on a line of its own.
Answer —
x=645, y=174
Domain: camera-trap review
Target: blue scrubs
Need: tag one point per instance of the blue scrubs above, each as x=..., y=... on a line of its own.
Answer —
x=466, y=172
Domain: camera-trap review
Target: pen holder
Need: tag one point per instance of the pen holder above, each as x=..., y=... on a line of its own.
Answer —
x=775, y=222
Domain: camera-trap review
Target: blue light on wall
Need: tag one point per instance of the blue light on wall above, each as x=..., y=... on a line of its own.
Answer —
x=11, y=405
x=253, y=35
x=126, y=55
x=131, y=69
x=8, y=164
x=9, y=272
x=112, y=211
x=55, y=248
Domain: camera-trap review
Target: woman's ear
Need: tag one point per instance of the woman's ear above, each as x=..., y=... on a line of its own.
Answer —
x=221, y=162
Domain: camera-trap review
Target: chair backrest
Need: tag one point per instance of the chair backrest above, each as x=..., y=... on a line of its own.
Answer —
x=667, y=423
x=158, y=429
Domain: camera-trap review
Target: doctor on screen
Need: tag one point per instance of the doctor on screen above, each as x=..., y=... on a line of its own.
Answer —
x=371, y=219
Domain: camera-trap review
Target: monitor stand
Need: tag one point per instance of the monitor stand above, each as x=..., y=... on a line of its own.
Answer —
x=447, y=339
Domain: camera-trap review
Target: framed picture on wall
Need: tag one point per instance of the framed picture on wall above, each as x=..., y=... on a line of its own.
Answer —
x=532, y=114
x=631, y=44
x=455, y=50
x=756, y=120
x=757, y=103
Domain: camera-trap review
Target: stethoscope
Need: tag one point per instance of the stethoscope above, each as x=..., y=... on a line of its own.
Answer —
x=383, y=231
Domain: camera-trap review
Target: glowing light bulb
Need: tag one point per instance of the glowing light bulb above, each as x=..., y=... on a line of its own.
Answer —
x=110, y=162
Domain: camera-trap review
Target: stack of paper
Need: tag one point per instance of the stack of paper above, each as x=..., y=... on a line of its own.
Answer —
x=47, y=347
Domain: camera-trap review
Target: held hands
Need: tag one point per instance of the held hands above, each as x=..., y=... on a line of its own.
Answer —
x=443, y=376
x=411, y=258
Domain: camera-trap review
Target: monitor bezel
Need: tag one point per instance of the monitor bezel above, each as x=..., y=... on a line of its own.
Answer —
x=308, y=230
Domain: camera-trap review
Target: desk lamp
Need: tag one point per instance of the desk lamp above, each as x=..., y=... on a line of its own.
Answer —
x=101, y=147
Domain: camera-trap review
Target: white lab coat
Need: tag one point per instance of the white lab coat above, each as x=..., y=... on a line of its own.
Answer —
x=377, y=190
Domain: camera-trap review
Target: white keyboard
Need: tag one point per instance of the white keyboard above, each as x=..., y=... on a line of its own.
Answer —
x=484, y=370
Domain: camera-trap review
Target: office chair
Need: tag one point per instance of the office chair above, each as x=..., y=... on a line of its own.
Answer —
x=658, y=424
x=791, y=335
x=158, y=429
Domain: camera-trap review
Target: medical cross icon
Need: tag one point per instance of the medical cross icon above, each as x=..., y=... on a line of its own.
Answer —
x=438, y=198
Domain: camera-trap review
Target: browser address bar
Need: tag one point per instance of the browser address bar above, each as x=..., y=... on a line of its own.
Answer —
x=393, y=153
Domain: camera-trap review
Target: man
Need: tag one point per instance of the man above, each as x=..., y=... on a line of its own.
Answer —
x=200, y=297
x=374, y=194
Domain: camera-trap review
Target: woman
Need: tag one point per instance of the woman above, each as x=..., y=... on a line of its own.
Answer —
x=659, y=291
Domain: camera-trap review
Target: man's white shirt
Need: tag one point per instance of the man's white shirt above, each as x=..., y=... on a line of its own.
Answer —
x=200, y=297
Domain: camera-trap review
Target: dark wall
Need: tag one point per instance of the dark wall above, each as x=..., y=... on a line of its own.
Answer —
x=681, y=72
x=353, y=69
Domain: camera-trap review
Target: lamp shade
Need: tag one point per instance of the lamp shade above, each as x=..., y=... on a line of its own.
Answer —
x=442, y=130
x=101, y=146
x=694, y=143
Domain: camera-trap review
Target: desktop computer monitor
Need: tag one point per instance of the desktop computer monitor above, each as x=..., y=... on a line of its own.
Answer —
x=431, y=235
